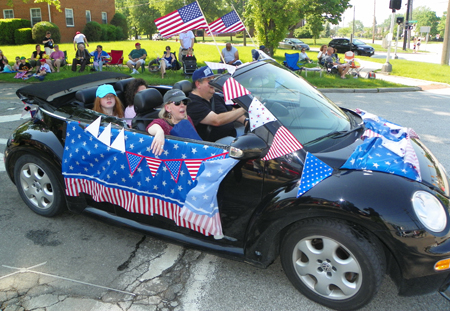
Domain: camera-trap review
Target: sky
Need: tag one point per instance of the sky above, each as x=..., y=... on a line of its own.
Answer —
x=364, y=10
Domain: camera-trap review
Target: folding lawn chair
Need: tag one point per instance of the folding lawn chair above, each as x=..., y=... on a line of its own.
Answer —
x=291, y=61
x=355, y=67
x=116, y=59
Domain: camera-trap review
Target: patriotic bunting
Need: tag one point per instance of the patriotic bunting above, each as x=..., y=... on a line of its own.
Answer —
x=187, y=18
x=233, y=89
x=133, y=161
x=314, y=171
x=259, y=114
x=283, y=143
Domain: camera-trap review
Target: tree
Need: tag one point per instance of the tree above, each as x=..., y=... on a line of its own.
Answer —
x=315, y=26
x=426, y=17
x=119, y=20
x=326, y=33
x=441, y=25
x=51, y=2
x=271, y=20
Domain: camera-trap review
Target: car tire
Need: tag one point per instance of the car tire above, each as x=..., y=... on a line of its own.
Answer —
x=40, y=185
x=357, y=53
x=293, y=48
x=332, y=263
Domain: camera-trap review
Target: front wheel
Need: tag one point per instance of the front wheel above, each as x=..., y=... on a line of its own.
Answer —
x=293, y=48
x=332, y=263
x=39, y=185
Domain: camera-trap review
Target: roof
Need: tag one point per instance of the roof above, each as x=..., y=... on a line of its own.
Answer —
x=53, y=89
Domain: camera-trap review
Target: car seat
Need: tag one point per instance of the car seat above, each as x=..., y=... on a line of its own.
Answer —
x=145, y=104
x=184, y=85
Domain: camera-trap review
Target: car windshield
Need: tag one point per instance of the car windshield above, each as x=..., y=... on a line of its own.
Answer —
x=296, y=41
x=307, y=113
x=358, y=42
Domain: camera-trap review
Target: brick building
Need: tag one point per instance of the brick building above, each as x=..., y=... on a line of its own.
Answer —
x=73, y=16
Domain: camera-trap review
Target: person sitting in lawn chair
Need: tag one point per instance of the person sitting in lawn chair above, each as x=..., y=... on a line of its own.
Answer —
x=168, y=60
x=332, y=63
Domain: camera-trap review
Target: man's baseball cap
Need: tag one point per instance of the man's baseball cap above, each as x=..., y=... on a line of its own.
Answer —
x=203, y=72
x=104, y=90
x=175, y=95
x=42, y=60
x=23, y=57
x=137, y=43
x=77, y=33
x=262, y=47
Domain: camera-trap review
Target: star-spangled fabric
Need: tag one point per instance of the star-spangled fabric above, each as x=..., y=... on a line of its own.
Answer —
x=258, y=114
x=147, y=186
x=229, y=23
x=233, y=89
x=283, y=143
x=314, y=171
x=187, y=18
x=387, y=147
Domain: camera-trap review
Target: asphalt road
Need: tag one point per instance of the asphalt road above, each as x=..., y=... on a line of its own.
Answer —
x=109, y=268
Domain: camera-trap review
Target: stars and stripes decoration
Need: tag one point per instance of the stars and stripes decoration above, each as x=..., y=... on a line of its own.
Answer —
x=258, y=114
x=187, y=18
x=229, y=23
x=387, y=147
x=233, y=89
x=314, y=171
x=283, y=143
x=140, y=182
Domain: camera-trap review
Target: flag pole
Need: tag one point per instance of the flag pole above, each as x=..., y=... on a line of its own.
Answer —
x=218, y=50
x=244, y=26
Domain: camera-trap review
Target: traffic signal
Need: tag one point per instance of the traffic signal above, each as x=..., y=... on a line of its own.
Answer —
x=400, y=20
x=395, y=4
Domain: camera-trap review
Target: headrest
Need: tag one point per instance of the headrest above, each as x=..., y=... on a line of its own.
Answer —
x=120, y=85
x=184, y=85
x=147, y=100
x=86, y=96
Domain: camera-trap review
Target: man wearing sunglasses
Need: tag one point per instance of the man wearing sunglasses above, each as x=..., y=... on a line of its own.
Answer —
x=212, y=118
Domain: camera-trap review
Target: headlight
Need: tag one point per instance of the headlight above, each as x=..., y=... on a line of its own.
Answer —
x=429, y=211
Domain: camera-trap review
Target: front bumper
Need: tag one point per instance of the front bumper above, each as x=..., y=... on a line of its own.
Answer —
x=445, y=288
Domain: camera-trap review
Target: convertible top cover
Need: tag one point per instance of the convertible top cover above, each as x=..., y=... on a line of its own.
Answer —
x=53, y=89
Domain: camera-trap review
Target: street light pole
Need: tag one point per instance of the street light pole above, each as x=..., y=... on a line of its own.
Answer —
x=396, y=41
x=387, y=67
x=374, y=22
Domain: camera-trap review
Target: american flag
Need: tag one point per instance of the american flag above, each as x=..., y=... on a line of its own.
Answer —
x=233, y=89
x=140, y=182
x=386, y=148
x=314, y=171
x=283, y=143
x=184, y=19
x=227, y=24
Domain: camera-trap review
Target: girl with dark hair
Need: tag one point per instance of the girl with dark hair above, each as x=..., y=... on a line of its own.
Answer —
x=166, y=61
x=131, y=89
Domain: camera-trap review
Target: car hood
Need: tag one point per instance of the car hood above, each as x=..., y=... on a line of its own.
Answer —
x=433, y=174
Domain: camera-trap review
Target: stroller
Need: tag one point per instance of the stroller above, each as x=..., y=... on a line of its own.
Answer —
x=189, y=63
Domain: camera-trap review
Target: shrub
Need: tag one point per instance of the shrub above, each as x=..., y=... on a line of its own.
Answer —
x=93, y=31
x=39, y=30
x=7, y=28
x=302, y=32
x=109, y=32
x=119, y=20
x=23, y=36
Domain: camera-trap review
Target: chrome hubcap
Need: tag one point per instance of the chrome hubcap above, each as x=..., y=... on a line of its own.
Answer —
x=37, y=186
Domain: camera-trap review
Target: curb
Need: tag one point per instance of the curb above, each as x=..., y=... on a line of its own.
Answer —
x=377, y=90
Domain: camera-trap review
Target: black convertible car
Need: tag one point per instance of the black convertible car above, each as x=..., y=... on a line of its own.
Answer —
x=343, y=196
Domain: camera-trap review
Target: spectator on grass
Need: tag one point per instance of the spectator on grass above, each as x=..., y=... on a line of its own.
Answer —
x=6, y=66
x=57, y=59
x=100, y=57
x=167, y=61
x=82, y=57
x=331, y=61
x=79, y=38
x=16, y=64
x=36, y=56
x=260, y=54
x=322, y=53
x=303, y=56
x=230, y=55
x=43, y=70
x=2, y=57
x=187, y=40
x=48, y=43
x=136, y=58
x=132, y=87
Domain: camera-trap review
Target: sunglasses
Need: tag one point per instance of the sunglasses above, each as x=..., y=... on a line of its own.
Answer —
x=179, y=103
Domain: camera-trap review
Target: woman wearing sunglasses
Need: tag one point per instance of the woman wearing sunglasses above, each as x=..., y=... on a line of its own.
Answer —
x=173, y=120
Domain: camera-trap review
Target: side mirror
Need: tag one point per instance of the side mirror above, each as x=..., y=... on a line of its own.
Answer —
x=248, y=146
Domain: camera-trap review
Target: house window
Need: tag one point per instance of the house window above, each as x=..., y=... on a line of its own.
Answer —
x=69, y=18
x=8, y=13
x=88, y=16
x=35, y=15
x=104, y=18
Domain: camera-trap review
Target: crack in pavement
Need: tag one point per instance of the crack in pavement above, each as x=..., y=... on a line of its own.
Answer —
x=132, y=255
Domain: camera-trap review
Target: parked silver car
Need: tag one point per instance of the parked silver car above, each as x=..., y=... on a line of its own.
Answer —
x=293, y=44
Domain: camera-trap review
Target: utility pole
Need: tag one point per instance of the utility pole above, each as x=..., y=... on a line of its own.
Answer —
x=407, y=18
x=353, y=31
x=445, y=48
x=374, y=22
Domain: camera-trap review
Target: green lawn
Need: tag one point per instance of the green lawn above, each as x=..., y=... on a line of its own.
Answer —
x=208, y=52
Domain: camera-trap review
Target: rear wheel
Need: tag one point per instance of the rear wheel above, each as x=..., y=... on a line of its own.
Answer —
x=40, y=186
x=293, y=48
x=332, y=263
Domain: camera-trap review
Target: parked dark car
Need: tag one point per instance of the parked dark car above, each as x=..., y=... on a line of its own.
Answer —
x=357, y=46
x=293, y=44
x=337, y=227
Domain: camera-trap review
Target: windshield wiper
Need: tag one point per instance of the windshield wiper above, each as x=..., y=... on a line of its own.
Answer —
x=336, y=134
x=350, y=131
